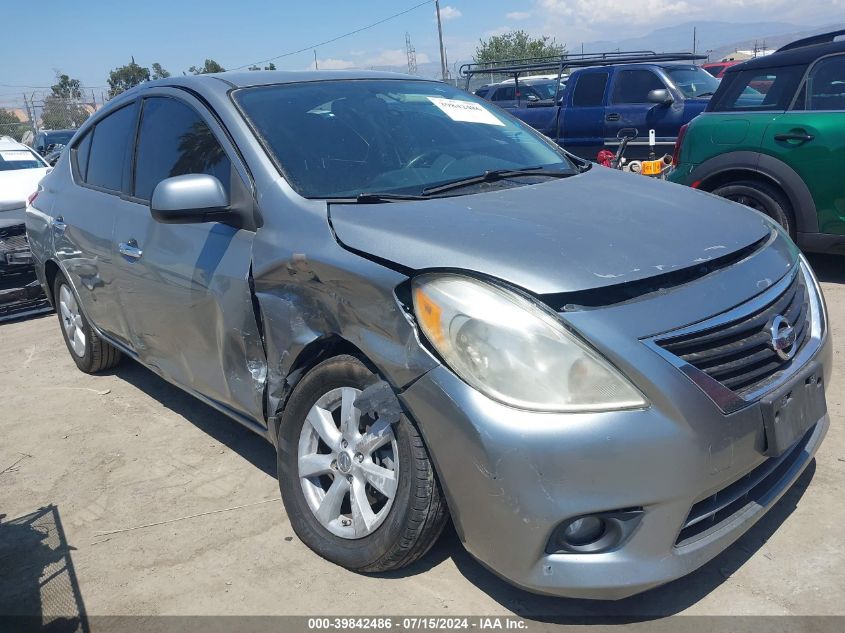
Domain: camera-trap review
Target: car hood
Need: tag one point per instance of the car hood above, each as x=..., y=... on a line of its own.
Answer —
x=593, y=230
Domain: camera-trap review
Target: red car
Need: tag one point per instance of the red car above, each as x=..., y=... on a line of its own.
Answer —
x=717, y=69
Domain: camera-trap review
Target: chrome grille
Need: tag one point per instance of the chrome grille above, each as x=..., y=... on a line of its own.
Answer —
x=739, y=353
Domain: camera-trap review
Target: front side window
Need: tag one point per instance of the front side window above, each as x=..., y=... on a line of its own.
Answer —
x=109, y=146
x=826, y=85
x=757, y=89
x=589, y=90
x=633, y=86
x=338, y=139
x=174, y=140
x=14, y=159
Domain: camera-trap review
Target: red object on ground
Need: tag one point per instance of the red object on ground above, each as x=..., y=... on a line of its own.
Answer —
x=604, y=157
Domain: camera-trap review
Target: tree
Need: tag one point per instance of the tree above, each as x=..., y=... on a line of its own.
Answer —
x=159, y=72
x=516, y=45
x=270, y=66
x=11, y=125
x=66, y=88
x=63, y=108
x=125, y=77
x=209, y=66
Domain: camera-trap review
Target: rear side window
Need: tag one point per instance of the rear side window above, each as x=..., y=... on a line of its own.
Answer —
x=505, y=94
x=174, y=140
x=107, y=156
x=81, y=153
x=633, y=86
x=758, y=89
x=826, y=85
x=589, y=91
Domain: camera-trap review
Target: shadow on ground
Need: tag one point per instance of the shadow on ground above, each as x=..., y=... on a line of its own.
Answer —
x=255, y=449
x=38, y=586
x=828, y=268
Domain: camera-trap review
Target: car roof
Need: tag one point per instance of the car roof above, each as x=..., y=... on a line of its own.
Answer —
x=247, y=78
x=790, y=57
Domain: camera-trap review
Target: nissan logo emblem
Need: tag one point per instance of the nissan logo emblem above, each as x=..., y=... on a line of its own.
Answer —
x=783, y=338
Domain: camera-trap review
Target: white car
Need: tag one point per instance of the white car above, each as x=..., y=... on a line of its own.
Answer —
x=21, y=169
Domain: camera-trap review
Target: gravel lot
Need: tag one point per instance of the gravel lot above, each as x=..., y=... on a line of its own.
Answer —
x=92, y=455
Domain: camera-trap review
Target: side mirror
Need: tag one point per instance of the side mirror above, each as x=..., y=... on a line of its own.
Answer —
x=661, y=97
x=189, y=199
x=532, y=98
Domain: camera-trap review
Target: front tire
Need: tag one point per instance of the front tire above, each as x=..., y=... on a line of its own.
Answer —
x=90, y=353
x=762, y=197
x=359, y=490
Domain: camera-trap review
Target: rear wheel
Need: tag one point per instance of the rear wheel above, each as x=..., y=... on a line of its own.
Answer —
x=90, y=353
x=762, y=197
x=359, y=489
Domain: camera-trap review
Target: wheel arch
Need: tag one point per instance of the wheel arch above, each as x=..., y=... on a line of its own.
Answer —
x=51, y=269
x=311, y=355
x=756, y=166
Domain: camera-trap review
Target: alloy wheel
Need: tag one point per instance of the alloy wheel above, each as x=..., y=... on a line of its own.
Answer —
x=348, y=465
x=72, y=320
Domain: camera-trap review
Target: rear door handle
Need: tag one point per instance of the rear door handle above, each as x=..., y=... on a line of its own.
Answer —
x=613, y=116
x=802, y=137
x=130, y=250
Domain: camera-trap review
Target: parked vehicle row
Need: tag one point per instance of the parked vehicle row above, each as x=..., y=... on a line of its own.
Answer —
x=773, y=138
x=431, y=311
x=21, y=169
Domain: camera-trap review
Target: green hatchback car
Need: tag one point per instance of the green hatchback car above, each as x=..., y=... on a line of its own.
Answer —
x=773, y=138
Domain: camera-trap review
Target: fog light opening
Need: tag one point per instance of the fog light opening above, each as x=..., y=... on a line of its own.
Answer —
x=594, y=533
x=584, y=531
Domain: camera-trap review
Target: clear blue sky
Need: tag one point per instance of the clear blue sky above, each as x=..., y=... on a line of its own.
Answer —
x=92, y=37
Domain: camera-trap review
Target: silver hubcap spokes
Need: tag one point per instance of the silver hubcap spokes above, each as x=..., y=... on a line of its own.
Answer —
x=72, y=320
x=348, y=465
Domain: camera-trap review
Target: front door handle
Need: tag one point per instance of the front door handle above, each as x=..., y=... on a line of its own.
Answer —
x=801, y=137
x=130, y=250
x=613, y=116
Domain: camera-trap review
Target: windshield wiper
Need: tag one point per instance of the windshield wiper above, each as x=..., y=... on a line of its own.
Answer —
x=704, y=94
x=371, y=198
x=492, y=175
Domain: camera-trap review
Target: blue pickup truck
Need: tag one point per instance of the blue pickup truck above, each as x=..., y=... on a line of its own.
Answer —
x=597, y=101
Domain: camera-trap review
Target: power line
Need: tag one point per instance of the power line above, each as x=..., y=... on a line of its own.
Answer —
x=335, y=39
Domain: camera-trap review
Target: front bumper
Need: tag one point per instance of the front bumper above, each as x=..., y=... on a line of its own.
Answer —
x=21, y=293
x=511, y=477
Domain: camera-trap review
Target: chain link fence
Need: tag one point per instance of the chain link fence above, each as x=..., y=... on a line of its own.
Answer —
x=23, y=119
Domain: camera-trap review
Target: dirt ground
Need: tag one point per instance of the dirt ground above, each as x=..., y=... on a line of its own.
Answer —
x=96, y=458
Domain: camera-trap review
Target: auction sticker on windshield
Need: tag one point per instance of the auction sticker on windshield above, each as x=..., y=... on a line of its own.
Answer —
x=466, y=111
x=13, y=155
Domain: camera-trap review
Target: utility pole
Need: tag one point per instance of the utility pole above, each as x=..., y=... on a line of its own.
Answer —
x=30, y=113
x=316, y=67
x=694, y=43
x=443, y=70
x=412, y=54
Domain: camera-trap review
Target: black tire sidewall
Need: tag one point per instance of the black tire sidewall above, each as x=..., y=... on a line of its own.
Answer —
x=356, y=554
x=775, y=206
x=85, y=362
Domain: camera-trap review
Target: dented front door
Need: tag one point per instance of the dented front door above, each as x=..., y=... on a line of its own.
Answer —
x=185, y=288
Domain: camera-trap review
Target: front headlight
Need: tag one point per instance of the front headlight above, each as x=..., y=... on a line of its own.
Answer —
x=513, y=351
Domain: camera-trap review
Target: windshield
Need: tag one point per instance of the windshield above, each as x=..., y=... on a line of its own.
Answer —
x=11, y=159
x=693, y=81
x=338, y=139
